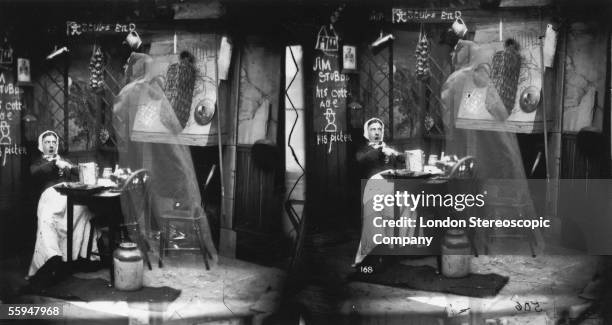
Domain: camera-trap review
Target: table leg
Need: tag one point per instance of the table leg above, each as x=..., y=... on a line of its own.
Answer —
x=397, y=211
x=111, y=244
x=92, y=234
x=69, y=226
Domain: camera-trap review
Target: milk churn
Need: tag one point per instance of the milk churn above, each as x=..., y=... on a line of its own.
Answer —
x=129, y=267
x=456, y=254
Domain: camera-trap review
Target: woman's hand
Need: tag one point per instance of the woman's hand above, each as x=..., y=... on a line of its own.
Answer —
x=388, y=151
x=62, y=164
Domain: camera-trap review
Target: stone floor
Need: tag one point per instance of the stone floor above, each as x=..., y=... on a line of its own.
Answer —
x=231, y=292
x=546, y=288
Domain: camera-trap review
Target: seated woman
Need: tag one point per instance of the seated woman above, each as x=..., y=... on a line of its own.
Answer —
x=374, y=158
x=50, y=248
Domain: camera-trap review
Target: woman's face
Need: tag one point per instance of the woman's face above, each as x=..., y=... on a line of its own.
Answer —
x=375, y=132
x=49, y=144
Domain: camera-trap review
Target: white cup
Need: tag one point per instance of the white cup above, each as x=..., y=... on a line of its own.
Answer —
x=87, y=173
x=459, y=27
x=414, y=160
x=432, y=160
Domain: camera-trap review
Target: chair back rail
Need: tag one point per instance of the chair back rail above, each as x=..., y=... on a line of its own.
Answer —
x=135, y=193
x=464, y=168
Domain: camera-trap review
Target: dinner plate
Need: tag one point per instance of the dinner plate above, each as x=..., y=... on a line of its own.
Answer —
x=404, y=173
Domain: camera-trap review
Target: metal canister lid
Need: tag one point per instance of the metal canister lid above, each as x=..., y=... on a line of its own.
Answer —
x=128, y=245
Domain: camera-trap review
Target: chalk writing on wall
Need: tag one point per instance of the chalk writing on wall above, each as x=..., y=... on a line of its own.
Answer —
x=329, y=139
x=74, y=28
x=330, y=95
x=407, y=15
x=327, y=40
x=376, y=16
x=10, y=118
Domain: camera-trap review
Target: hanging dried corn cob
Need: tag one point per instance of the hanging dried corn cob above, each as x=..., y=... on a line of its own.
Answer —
x=180, y=83
x=505, y=72
x=422, y=57
x=96, y=69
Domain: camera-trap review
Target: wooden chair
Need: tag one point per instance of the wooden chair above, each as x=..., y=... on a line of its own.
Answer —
x=503, y=202
x=465, y=168
x=135, y=209
x=193, y=217
x=136, y=206
x=462, y=180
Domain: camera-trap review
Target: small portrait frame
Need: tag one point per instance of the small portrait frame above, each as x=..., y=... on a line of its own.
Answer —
x=349, y=59
x=23, y=70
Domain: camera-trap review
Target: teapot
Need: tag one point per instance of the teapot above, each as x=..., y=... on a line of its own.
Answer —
x=133, y=39
x=459, y=27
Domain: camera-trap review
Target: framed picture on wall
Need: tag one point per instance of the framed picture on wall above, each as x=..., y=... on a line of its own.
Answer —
x=349, y=59
x=23, y=70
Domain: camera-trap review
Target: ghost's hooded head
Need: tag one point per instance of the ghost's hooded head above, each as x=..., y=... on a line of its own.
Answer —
x=139, y=66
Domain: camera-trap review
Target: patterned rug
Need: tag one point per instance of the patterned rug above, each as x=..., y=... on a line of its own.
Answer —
x=425, y=278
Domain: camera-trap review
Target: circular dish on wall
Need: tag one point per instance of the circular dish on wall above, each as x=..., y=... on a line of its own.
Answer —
x=530, y=99
x=204, y=112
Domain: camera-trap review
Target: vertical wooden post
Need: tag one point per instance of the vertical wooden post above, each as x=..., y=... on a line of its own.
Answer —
x=607, y=120
x=557, y=131
x=66, y=102
x=390, y=126
x=99, y=106
x=227, y=241
x=544, y=101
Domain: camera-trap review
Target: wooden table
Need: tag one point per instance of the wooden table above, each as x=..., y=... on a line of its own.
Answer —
x=80, y=196
x=414, y=183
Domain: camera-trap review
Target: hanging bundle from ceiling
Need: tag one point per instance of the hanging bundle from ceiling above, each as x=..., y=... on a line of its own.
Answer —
x=422, y=56
x=96, y=69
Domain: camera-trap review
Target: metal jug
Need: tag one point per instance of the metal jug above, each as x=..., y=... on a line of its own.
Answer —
x=128, y=267
x=456, y=254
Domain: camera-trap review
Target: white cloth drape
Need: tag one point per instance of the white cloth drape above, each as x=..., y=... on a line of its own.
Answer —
x=378, y=185
x=52, y=231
